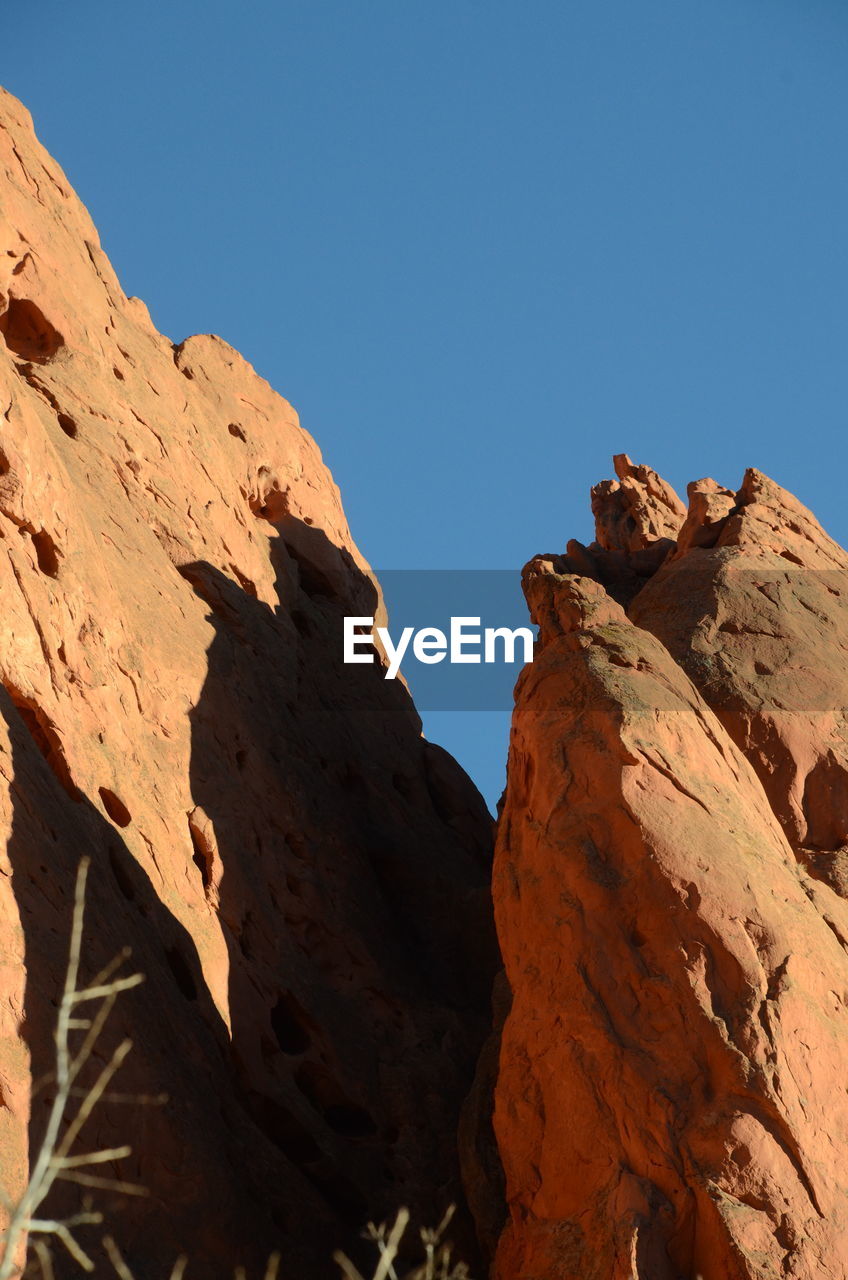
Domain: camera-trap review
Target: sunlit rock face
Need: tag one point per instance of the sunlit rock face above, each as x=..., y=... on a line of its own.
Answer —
x=303, y=879
x=669, y=888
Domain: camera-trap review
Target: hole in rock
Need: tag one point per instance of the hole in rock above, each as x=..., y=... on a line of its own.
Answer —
x=115, y=807
x=203, y=867
x=118, y=373
x=46, y=739
x=28, y=332
x=45, y=553
x=825, y=803
x=68, y=425
x=269, y=501
x=235, y=430
x=181, y=970
x=288, y=1025
x=204, y=854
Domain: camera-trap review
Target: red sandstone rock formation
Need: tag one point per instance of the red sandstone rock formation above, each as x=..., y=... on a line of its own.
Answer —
x=301, y=876
x=754, y=605
x=636, y=510
x=669, y=884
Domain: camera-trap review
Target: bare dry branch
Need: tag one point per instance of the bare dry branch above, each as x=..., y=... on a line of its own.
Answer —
x=55, y=1158
x=114, y=1255
x=71, y=1108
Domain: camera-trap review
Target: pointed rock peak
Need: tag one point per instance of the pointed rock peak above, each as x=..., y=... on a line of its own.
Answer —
x=623, y=464
x=636, y=510
x=560, y=602
x=769, y=520
x=758, y=487
x=709, y=506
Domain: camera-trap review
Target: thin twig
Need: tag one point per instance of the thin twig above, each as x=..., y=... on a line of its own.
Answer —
x=273, y=1268
x=114, y=1255
x=56, y=1159
x=45, y=1259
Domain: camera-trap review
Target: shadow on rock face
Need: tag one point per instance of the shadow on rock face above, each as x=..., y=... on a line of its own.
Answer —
x=183, y=1149
x=355, y=907
x=348, y=873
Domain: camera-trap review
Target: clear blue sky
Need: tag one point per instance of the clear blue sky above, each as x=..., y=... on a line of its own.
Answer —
x=481, y=244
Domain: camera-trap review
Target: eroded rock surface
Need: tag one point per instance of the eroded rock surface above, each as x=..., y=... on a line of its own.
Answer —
x=668, y=884
x=756, y=611
x=302, y=878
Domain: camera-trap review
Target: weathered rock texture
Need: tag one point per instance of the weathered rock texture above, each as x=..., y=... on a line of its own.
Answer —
x=669, y=887
x=302, y=878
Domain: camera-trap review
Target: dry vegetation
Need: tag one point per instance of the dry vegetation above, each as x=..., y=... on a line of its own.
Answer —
x=26, y=1246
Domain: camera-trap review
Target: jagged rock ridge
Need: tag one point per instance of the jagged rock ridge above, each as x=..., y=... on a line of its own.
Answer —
x=669, y=889
x=301, y=876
